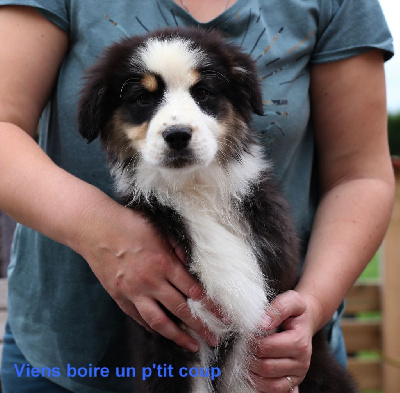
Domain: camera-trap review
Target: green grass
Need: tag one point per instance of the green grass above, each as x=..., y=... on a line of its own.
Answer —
x=372, y=271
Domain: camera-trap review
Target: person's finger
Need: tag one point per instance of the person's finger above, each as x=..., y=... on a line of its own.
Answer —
x=285, y=344
x=129, y=308
x=179, y=251
x=276, y=368
x=156, y=318
x=180, y=278
x=274, y=385
x=215, y=309
x=286, y=305
x=177, y=304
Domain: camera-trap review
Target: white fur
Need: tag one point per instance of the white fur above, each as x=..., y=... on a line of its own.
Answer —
x=223, y=254
x=172, y=59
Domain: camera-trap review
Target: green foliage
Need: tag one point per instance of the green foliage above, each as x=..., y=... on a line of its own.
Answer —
x=372, y=391
x=372, y=271
x=394, y=134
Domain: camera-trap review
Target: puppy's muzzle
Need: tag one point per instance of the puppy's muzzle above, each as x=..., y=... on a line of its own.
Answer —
x=177, y=137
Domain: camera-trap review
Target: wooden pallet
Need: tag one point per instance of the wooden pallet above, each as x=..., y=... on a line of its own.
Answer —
x=364, y=335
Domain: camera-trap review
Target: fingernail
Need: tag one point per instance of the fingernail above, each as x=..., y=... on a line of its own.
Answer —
x=192, y=347
x=196, y=292
x=266, y=322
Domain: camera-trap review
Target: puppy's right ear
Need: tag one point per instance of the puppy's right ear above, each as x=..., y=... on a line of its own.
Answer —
x=92, y=113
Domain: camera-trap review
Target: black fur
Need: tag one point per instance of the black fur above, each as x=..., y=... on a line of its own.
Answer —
x=265, y=212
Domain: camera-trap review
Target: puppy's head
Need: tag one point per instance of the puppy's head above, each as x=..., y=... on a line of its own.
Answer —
x=176, y=98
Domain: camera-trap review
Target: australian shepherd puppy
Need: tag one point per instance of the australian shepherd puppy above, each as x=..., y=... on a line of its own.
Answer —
x=173, y=110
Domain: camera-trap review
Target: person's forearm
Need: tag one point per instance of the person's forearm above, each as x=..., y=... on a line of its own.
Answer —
x=135, y=265
x=39, y=194
x=350, y=224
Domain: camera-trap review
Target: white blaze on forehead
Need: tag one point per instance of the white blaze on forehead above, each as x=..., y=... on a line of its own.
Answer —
x=172, y=59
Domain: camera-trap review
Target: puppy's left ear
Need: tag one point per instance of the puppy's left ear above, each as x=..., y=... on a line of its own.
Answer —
x=256, y=96
x=246, y=72
x=92, y=109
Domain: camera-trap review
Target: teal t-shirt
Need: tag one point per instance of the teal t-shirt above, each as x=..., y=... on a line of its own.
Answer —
x=59, y=313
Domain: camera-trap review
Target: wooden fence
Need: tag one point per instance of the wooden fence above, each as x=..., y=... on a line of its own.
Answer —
x=364, y=335
x=377, y=337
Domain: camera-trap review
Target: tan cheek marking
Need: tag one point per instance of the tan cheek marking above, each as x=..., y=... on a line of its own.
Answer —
x=149, y=82
x=228, y=122
x=231, y=129
x=137, y=134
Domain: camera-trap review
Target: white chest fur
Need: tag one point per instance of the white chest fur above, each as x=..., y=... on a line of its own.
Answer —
x=227, y=267
x=223, y=259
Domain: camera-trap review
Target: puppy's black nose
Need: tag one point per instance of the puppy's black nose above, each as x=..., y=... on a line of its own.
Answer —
x=177, y=137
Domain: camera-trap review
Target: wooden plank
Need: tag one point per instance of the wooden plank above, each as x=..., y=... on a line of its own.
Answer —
x=391, y=310
x=361, y=336
x=3, y=293
x=362, y=297
x=367, y=373
x=7, y=226
x=1, y=352
x=3, y=318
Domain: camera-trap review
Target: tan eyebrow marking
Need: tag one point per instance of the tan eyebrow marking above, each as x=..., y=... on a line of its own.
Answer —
x=194, y=77
x=149, y=82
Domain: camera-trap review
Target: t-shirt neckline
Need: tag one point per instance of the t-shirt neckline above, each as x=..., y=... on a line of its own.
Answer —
x=178, y=10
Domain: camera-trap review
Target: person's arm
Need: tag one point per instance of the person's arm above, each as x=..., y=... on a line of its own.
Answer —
x=357, y=186
x=134, y=264
x=356, y=178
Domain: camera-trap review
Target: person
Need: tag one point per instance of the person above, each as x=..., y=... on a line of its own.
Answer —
x=79, y=258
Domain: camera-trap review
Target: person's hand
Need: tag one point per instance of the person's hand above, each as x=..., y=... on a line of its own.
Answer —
x=143, y=274
x=286, y=353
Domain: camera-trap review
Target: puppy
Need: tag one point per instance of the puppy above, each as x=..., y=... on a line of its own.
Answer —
x=173, y=110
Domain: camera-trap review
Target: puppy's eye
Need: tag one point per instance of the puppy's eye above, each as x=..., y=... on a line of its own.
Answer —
x=144, y=99
x=200, y=94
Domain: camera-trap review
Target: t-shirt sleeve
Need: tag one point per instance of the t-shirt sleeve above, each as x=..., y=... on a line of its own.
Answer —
x=56, y=11
x=351, y=27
